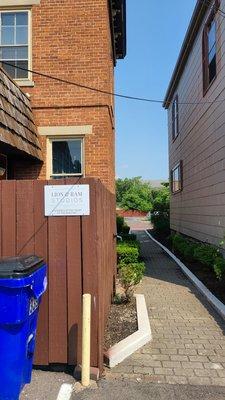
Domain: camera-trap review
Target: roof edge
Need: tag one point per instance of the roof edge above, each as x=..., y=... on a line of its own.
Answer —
x=197, y=17
x=117, y=15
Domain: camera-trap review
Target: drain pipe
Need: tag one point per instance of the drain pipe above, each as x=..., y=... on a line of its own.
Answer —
x=86, y=340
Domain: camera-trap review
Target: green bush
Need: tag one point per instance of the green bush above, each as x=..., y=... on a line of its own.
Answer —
x=161, y=199
x=127, y=253
x=130, y=243
x=219, y=267
x=130, y=275
x=184, y=247
x=161, y=222
x=122, y=227
x=119, y=223
x=125, y=230
x=131, y=237
x=204, y=253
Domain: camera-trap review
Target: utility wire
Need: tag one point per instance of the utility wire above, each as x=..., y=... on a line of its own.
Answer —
x=93, y=89
x=81, y=85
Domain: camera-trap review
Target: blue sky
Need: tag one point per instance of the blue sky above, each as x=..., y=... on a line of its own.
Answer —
x=155, y=32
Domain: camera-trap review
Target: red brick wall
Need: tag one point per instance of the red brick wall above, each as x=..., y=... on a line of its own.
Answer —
x=26, y=169
x=131, y=213
x=72, y=41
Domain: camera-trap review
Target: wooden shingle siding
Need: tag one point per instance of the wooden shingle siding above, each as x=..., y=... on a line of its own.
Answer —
x=199, y=210
x=17, y=127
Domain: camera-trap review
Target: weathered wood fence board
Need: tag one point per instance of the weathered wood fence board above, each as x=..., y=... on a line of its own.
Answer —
x=80, y=252
x=41, y=247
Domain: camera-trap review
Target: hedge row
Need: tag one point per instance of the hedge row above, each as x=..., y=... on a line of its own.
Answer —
x=204, y=253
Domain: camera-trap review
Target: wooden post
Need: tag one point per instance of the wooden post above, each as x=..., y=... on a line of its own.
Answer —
x=86, y=340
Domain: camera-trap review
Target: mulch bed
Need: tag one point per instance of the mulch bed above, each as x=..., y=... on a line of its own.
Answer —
x=203, y=273
x=122, y=322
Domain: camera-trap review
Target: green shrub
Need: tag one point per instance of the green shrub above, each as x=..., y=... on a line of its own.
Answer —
x=161, y=222
x=130, y=275
x=125, y=230
x=194, y=251
x=219, y=267
x=131, y=237
x=119, y=223
x=122, y=227
x=184, y=247
x=133, y=243
x=127, y=253
x=188, y=251
x=206, y=254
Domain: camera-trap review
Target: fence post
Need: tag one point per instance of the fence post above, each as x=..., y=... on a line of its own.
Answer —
x=86, y=340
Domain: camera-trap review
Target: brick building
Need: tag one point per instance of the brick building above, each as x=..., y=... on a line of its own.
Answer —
x=74, y=42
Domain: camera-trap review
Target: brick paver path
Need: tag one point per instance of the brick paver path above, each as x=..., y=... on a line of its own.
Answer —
x=188, y=335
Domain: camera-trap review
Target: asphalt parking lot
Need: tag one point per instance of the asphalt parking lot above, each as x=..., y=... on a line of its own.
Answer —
x=60, y=386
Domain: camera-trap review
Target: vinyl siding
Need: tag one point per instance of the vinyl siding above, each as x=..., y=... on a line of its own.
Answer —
x=199, y=210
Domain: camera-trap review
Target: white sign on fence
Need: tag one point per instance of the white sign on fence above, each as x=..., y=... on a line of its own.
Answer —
x=67, y=200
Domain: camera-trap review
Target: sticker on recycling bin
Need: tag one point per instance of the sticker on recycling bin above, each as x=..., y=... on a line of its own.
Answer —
x=33, y=305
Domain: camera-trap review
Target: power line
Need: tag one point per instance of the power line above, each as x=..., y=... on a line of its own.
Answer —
x=81, y=85
x=114, y=94
x=119, y=95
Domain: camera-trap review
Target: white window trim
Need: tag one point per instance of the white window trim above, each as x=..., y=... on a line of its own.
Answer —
x=17, y=3
x=179, y=167
x=76, y=130
x=27, y=81
x=49, y=155
x=175, y=118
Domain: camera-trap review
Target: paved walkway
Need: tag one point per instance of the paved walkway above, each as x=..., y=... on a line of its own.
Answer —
x=185, y=360
x=188, y=344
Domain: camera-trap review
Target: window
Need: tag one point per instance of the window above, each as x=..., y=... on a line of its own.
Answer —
x=210, y=49
x=177, y=178
x=14, y=43
x=175, y=118
x=66, y=157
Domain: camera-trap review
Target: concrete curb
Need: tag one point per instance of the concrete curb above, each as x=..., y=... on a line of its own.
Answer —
x=117, y=353
x=216, y=303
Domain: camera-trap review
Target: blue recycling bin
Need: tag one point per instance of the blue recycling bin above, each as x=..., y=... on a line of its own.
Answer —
x=23, y=280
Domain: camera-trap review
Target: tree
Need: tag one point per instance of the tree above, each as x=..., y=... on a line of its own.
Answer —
x=161, y=200
x=134, y=194
x=122, y=187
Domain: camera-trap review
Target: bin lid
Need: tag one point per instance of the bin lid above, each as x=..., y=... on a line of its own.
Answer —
x=17, y=267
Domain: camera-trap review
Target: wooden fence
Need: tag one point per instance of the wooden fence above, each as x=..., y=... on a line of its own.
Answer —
x=80, y=252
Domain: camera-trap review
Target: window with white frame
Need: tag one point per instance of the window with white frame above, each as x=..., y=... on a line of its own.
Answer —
x=15, y=43
x=209, y=48
x=177, y=178
x=66, y=157
x=175, y=118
